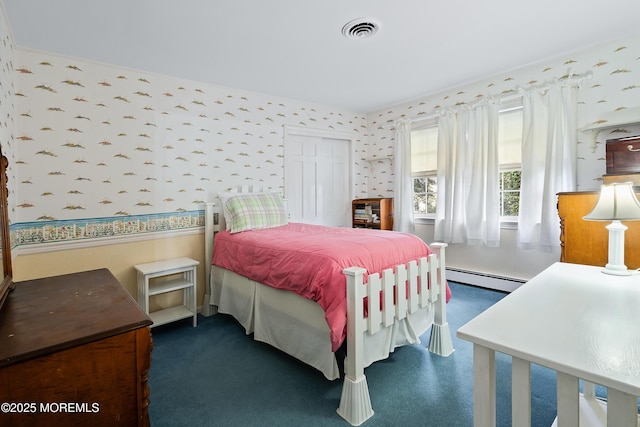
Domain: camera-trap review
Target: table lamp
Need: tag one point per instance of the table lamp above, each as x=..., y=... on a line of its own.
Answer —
x=617, y=202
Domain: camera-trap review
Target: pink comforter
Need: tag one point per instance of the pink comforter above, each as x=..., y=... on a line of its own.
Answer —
x=309, y=259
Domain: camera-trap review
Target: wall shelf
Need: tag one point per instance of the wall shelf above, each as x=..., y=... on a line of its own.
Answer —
x=612, y=120
x=375, y=159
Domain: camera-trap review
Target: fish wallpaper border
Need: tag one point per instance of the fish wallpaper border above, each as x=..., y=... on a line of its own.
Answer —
x=42, y=232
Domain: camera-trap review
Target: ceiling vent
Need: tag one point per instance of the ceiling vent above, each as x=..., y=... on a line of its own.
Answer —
x=360, y=28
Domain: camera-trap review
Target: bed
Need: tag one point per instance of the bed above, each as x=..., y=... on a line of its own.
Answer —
x=319, y=292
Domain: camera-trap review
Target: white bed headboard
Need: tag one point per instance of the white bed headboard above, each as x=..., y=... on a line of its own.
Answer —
x=214, y=222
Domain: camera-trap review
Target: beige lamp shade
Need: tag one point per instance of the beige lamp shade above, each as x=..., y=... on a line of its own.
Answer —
x=617, y=201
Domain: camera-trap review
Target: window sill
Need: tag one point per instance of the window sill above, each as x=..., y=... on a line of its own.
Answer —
x=509, y=225
x=424, y=221
x=504, y=225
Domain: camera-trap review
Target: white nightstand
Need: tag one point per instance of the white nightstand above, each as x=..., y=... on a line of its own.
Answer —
x=148, y=288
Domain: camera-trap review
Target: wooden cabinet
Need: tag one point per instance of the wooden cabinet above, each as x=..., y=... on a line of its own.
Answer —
x=587, y=242
x=74, y=350
x=373, y=213
x=623, y=155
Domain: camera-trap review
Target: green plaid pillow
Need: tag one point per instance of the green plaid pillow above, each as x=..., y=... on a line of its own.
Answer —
x=255, y=211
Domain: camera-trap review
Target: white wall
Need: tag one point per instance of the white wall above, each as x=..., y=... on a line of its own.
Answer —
x=113, y=147
x=93, y=140
x=615, y=85
x=105, y=145
x=7, y=99
x=506, y=261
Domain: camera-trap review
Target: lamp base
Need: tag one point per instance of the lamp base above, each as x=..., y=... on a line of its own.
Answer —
x=620, y=272
x=616, y=266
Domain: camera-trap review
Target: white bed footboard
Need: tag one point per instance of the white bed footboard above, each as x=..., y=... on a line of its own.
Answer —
x=421, y=284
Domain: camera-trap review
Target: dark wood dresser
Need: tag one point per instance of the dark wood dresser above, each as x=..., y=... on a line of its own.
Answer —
x=75, y=350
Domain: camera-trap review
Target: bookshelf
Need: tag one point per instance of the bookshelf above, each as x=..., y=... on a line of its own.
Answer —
x=373, y=213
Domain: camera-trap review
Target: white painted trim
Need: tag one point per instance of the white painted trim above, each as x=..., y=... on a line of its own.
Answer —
x=320, y=133
x=101, y=241
x=498, y=283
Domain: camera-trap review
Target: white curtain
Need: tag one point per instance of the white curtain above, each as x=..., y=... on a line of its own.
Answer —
x=402, y=187
x=468, y=208
x=548, y=163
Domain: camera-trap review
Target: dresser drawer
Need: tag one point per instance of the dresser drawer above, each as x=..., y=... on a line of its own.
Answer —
x=623, y=155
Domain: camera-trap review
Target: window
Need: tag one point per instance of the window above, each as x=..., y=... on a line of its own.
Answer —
x=424, y=168
x=424, y=195
x=424, y=164
x=509, y=193
x=510, y=157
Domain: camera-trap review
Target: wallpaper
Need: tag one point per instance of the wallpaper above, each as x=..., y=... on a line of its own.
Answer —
x=7, y=104
x=136, y=152
x=613, y=88
x=98, y=150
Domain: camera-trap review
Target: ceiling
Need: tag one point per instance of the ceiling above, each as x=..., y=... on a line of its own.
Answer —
x=295, y=48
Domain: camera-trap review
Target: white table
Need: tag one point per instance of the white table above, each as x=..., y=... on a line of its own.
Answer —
x=571, y=318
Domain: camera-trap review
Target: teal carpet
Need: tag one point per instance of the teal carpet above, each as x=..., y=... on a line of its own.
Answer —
x=215, y=375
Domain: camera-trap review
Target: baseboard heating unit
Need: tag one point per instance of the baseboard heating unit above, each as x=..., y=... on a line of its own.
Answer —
x=484, y=280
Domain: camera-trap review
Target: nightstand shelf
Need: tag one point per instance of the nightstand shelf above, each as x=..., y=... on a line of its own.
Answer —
x=169, y=286
x=171, y=314
x=148, y=287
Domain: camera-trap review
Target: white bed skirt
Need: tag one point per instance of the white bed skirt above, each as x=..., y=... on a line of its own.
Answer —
x=297, y=325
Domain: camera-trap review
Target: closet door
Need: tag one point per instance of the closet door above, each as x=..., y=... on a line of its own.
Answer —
x=317, y=177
